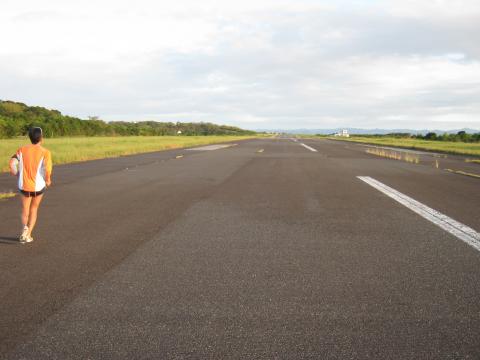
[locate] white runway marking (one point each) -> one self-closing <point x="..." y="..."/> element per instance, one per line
<point x="461" y="231"/>
<point x="308" y="147"/>
<point x="211" y="147"/>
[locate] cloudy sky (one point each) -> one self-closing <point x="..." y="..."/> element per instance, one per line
<point x="251" y="63"/>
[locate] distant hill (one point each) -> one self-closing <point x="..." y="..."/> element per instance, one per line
<point x="358" y="131"/>
<point x="16" y="118"/>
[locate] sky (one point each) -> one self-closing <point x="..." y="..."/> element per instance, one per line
<point x="257" y="64"/>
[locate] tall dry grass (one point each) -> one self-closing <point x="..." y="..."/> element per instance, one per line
<point x="441" y="146"/>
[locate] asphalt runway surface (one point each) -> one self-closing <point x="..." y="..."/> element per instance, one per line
<point x="264" y="250"/>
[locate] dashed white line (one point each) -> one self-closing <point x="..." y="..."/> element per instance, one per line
<point x="211" y="147"/>
<point x="308" y="147"/>
<point x="461" y="231"/>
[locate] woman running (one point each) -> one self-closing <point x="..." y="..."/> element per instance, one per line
<point x="33" y="166"/>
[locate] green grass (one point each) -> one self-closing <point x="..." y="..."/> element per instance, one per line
<point x="440" y="146"/>
<point x="75" y="149"/>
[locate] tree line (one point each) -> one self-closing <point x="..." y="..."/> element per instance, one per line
<point x="16" y="118"/>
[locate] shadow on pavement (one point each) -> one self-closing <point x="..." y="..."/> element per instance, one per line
<point x="9" y="240"/>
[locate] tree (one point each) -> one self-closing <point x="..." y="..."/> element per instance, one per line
<point x="17" y="118"/>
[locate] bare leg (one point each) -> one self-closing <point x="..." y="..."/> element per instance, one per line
<point x="26" y="201"/>
<point x="32" y="216"/>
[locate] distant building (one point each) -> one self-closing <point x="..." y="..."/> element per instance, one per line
<point x="343" y="133"/>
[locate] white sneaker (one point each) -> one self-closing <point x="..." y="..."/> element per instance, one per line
<point x="24" y="236"/>
<point x="29" y="239"/>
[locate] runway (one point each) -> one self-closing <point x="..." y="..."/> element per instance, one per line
<point x="264" y="249"/>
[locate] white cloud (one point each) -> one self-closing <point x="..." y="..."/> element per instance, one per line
<point x="267" y="63"/>
<point x="434" y="10"/>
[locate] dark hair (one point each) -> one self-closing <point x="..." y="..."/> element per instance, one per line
<point x="35" y="134"/>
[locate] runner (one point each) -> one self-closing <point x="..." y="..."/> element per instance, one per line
<point x="34" y="168"/>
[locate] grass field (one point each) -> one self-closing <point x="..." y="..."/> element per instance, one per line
<point x="68" y="150"/>
<point x="441" y="146"/>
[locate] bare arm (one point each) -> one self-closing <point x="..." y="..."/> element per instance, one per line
<point x="48" y="168"/>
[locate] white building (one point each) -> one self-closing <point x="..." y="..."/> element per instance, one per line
<point x="343" y="133"/>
